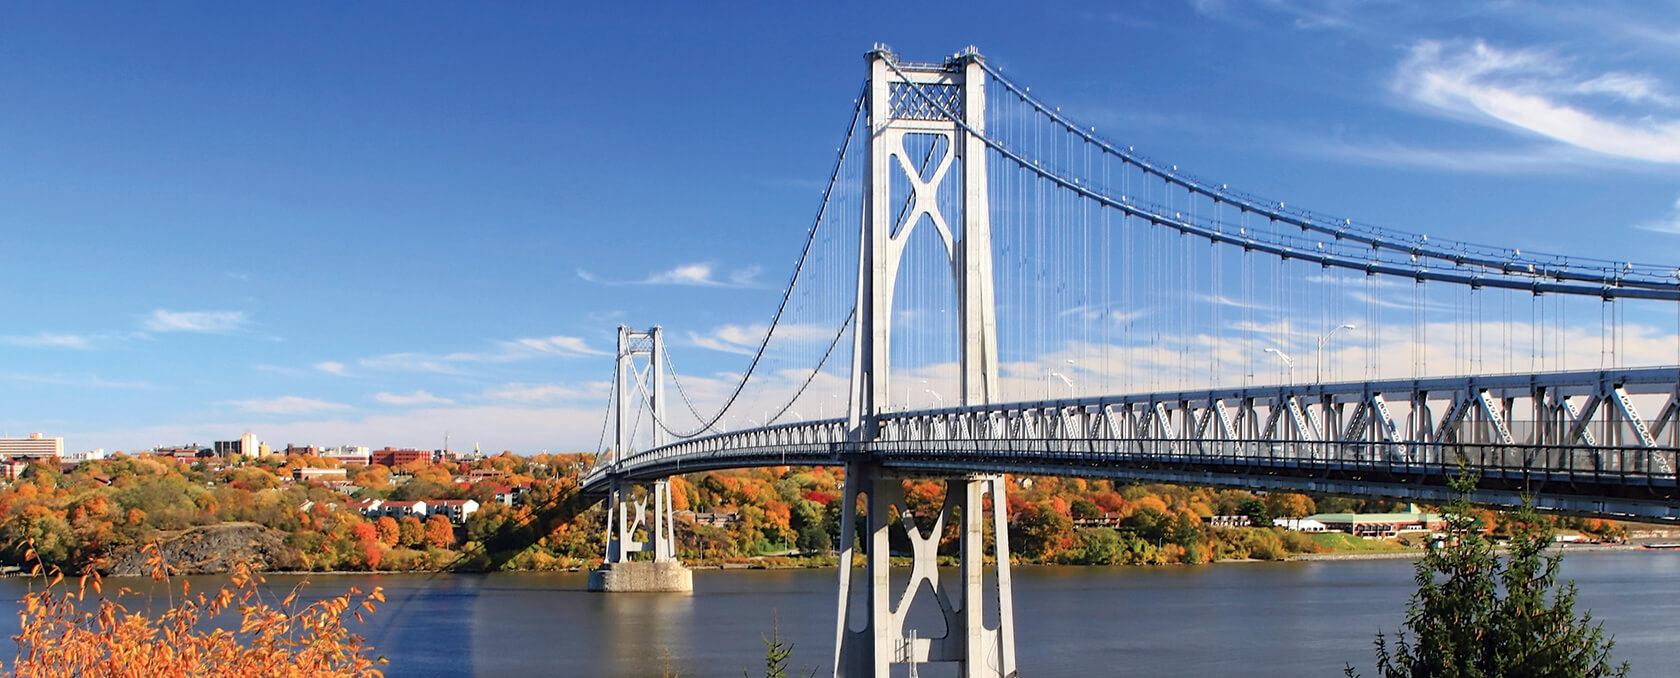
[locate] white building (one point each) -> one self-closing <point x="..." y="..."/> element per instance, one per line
<point x="456" y="510"/>
<point x="33" y="446"/>
<point x="90" y="455"/>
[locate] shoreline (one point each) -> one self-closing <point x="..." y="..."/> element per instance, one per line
<point x="1301" y="557"/>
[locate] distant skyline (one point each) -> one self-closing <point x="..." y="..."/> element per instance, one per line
<point x="375" y="225"/>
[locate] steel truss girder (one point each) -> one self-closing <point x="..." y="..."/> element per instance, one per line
<point x="1574" y="454"/>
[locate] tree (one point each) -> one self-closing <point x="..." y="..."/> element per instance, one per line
<point x="75" y="630"/>
<point x="1477" y="615"/>
<point x="1256" y="512"/>
<point x="388" y="530"/>
<point x="410" y="532"/>
<point x="439" y="533"/>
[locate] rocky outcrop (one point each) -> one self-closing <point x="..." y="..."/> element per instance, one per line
<point x="210" y="549"/>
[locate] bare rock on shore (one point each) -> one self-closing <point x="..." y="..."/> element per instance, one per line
<point x="210" y="549"/>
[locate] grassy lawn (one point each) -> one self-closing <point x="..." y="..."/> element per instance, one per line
<point x="1338" y="542"/>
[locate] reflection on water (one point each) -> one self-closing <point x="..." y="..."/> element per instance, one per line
<point x="1275" y="619"/>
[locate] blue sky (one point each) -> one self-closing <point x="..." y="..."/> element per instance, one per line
<point x="374" y="224"/>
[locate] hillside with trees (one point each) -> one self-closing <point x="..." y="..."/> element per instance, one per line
<point x="531" y="516"/>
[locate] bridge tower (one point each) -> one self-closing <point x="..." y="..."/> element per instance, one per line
<point x="907" y="99"/>
<point x="635" y="381"/>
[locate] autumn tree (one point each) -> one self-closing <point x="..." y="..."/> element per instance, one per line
<point x="388" y="530"/>
<point x="74" y="630"/>
<point x="410" y="532"/>
<point x="439" y="533"/>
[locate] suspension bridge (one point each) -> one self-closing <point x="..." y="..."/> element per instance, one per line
<point x="991" y="288"/>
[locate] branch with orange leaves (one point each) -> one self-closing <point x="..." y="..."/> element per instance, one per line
<point x="80" y="632"/>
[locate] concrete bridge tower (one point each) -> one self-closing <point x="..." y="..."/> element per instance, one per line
<point x="949" y="101"/>
<point x="632" y="525"/>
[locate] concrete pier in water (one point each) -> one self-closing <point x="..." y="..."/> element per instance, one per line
<point x="662" y="576"/>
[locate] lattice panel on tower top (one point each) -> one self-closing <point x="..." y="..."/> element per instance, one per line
<point x="908" y="105"/>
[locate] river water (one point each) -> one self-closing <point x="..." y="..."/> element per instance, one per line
<point x="1237" y="619"/>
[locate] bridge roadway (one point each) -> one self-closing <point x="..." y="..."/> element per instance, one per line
<point x="1583" y="448"/>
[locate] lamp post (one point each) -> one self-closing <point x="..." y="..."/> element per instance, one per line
<point x="935" y="395"/>
<point x="1318" y="360"/>
<point x="1290" y="362"/>
<point x="1052" y="373"/>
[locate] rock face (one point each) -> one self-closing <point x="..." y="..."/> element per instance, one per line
<point x="210" y="549"/>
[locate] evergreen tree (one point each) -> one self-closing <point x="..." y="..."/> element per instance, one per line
<point x="1475" y="615"/>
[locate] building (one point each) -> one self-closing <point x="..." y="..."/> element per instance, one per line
<point x="13" y="466"/>
<point x="349" y="455"/>
<point x="714" y="518"/>
<point x="393" y="457"/>
<point x="90" y="455"/>
<point x="185" y="454"/>
<point x="1300" y="525"/>
<point x="456" y="510"/>
<point x="33" y="446"/>
<point x="369" y="507"/>
<point x="246" y="446"/>
<point x="1380" y="525"/>
<point x="318" y="473"/>
<point x="398" y="509"/>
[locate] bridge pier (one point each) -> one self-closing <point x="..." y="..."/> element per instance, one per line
<point x="869" y="641"/>
<point x="625" y="516"/>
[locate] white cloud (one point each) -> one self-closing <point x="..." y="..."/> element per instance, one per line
<point x="1669" y="223"/>
<point x="532" y="393"/>
<point x="1537" y="92"/>
<point x="415" y="398"/>
<point x="287" y="405"/>
<point x="744" y="339"/>
<point x="49" y="340"/>
<point x="409" y="362"/>
<point x="502" y="352"/>
<point x="330" y="367"/>
<point x="694" y="275"/>
<point x="1544" y="160"/>
<point x="194" y="321"/>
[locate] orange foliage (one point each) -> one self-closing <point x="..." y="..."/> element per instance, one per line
<point x="78" y="632"/>
<point x="439" y="533"/>
<point x="388" y="530"/>
<point x="1150" y="501"/>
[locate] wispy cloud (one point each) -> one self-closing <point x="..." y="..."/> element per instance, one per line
<point x="1669" y="223"/>
<point x="532" y="393"/>
<point x="409" y="362"/>
<point x="288" y="405"/>
<point x="694" y="275"/>
<point x="1540" y="93"/>
<point x="501" y="352"/>
<point x="745" y="339"/>
<point x="1543" y="160"/>
<point x="79" y="380"/>
<point x="415" y="398"/>
<point x="194" y="321"/>
<point x="49" y="340"/>
<point x="330" y="367"/>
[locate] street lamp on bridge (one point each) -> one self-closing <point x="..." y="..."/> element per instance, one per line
<point x="1318" y="360"/>
<point x="1286" y="361"/>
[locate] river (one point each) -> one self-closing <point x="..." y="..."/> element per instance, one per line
<point x="1236" y="619"/>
